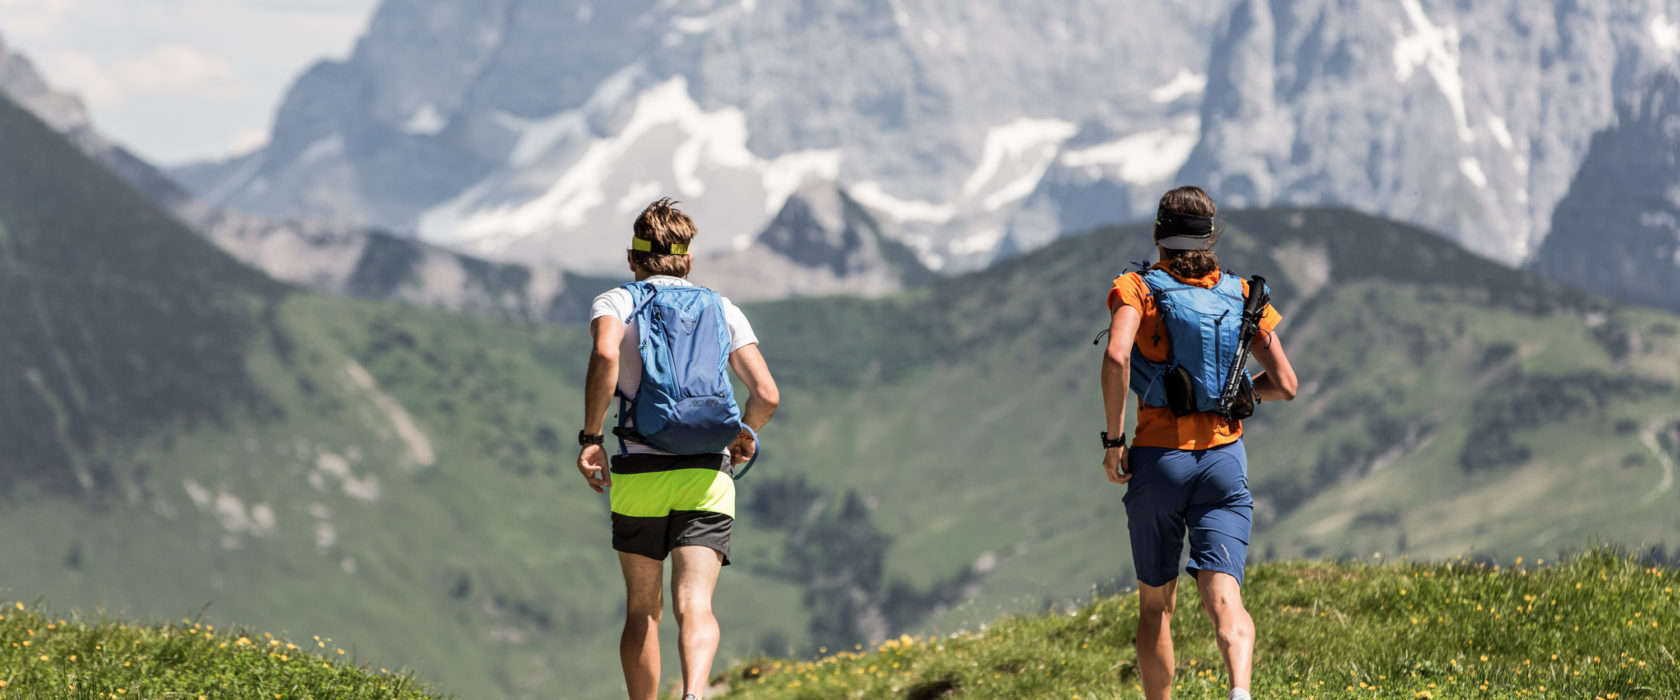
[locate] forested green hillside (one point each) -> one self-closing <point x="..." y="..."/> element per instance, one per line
<point x="185" y="433"/>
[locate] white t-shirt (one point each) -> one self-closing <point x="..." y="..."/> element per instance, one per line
<point x="618" y="303"/>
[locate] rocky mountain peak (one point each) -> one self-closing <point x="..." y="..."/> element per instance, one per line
<point x="1397" y="108"/>
<point x="1617" y="232"/>
<point x="814" y="229"/>
<point x="20" y="80"/>
<point x="821" y="242"/>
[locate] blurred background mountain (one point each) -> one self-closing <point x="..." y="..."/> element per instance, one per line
<point x="1467" y="233"/>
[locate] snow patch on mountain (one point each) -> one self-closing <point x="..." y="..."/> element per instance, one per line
<point x="638" y="195"/>
<point x="782" y="176"/>
<point x="1666" y="34"/>
<point x="537" y="137"/>
<point x="1022" y="139"/>
<point x="980" y="242"/>
<point x="870" y="194"/>
<point x="1473" y="172"/>
<point x="1501" y="132"/>
<point x="321" y="149"/>
<point x="669" y="145"/>
<point x="1185" y="84"/>
<point x="1143" y="158"/>
<point x="1435" y="49"/>
<point x="426" y="121"/>
<point x="707" y="22"/>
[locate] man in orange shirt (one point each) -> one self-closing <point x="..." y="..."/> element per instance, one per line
<point x="1186" y="470"/>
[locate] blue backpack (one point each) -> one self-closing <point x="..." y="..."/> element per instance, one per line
<point x="1204" y="327"/>
<point x="685" y="405"/>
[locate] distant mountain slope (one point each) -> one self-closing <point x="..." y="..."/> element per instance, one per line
<point x="1617" y="232"/>
<point x="115" y="325"/>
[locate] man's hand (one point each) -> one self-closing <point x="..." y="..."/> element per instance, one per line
<point x="1115" y="464"/>
<point x="743" y="448"/>
<point x="592" y="463"/>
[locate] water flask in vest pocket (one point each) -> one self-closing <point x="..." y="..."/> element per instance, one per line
<point x="1181" y="391"/>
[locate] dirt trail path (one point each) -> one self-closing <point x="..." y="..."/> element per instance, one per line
<point x="1649" y="437"/>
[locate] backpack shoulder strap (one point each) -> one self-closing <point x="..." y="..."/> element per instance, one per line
<point x="1230" y="285"/>
<point x="641" y="294"/>
<point x="1159" y="280"/>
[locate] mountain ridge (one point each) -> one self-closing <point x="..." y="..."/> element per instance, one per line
<point x="970" y="133"/>
<point x="1618" y="229"/>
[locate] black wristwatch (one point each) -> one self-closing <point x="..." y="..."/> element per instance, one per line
<point x="1116" y="442"/>
<point x="587" y="439"/>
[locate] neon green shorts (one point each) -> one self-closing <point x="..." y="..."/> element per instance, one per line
<point x="661" y="502"/>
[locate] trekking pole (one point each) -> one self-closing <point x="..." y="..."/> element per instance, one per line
<point x="1254" y="307"/>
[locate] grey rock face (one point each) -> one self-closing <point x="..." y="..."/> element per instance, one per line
<point x="1617" y="232"/>
<point x="821" y="242"/>
<point x="526" y="131"/>
<point x="1470" y="118"/>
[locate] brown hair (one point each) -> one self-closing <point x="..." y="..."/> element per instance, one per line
<point x="666" y="225"/>
<point x="1190" y="264"/>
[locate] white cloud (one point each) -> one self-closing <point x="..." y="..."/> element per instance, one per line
<point x="247" y="141"/>
<point x="180" y="79"/>
<point x="172" y="69"/>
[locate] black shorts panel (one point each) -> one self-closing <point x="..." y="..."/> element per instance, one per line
<point x="650" y="463"/>
<point x="654" y="538"/>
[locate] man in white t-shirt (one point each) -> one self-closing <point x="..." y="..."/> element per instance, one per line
<point x="682" y="506"/>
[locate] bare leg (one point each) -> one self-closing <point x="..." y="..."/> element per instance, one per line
<point x="638" y="647"/>
<point x="1154" y="638"/>
<point x="692" y="580"/>
<point x="1222" y="600"/>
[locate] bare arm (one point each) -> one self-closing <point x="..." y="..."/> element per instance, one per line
<point x="1116" y="376"/>
<point x="762" y="397"/>
<point x="607" y="332"/>
<point x="1278" y="382"/>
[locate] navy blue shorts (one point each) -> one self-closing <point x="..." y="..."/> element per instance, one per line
<point x="1204" y="492"/>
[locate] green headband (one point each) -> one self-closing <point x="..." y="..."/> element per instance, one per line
<point x="646" y="246"/>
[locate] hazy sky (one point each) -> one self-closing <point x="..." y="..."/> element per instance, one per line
<point x="179" y="80"/>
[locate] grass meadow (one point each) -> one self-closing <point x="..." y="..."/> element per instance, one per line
<point x="1598" y="626"/>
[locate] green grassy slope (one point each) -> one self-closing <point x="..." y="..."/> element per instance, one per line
<point x="1599" y="626"/>
<point x="46" y="657"/>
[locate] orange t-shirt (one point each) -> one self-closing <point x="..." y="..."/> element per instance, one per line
<point x="1156" y="425"/>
